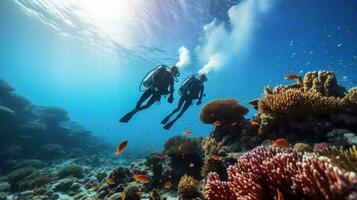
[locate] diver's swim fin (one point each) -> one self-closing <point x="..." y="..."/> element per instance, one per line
<point x="127" y="117"/>
<point x="164" y="121"/>
<point x="168" y="125"/>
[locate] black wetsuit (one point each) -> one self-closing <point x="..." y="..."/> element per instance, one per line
<point x="189" y="92"/>
<point x="162" y="84"/>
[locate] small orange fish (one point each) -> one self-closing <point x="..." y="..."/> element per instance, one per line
<point x="141" y="178"/>
<point x="110" y="181"/>
<point x="187" y="132"/>
<point x="280" y="195"/>
<point x="254" y="123"/>
<point x="160" y="155"/>
<point x="215" y="157"/>
<point x="168" y="185"/>
<point x="122" y="195"/>
<point x="280" y="142"/>
<point x="234" y="124"/>
<point x="121" y="147"/>
<point x="191" y="164"/>
<point x="194" y="181"/>
<point x="217" y="123"/>
<point x="320" y="146"/>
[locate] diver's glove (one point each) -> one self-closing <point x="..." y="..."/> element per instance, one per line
<point x="170" y="99"/>
<point x="198" y="102"/>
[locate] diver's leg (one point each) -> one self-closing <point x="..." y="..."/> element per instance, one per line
<point x="183" y="110"/>
<point x="130" y="114"/>
<point x="179" y="106"/>
<point x="143" y="97"/>
<point x="152" y="100"/>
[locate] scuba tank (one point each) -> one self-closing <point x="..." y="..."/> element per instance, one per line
<point x="186" y="84"/>
<point x="148" y="80"/>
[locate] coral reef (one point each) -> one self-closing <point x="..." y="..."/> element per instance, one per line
<point x="344" y="159"/>
<point x="223" y="110"/>
<point x="132" y="192"/>
<point x="306" y="111"/>
<point x="183" y="151"/>
<point x="260" y="173"/>
<point x="187" y="189"/>
<point x="71" y="171"/>
<point x="23" y="123"/>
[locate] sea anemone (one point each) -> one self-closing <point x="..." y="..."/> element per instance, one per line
<point x="344" y="159"/>
<point x="224" y="110"/>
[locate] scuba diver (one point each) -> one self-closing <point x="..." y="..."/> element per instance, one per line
<point x="192" y="88"/>
<point x="157" y="82"/>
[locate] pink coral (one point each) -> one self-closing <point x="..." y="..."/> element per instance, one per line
<point x="261" y="172"/>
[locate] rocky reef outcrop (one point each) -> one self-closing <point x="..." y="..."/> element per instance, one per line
<point x="45" y="133"/>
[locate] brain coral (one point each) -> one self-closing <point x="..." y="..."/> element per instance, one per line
<point x="224" y="110"/>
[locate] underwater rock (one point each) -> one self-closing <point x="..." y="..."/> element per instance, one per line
<point x="4" y="186"/>
<point x="63" y="185"/>
<point x="5" y="87"/>
<point x="76" y="153"/>
<point x="132" y="192"/>
<point x="29" y="163"/>
<point x="262" y="171"/>
<point x="15" y="177"/>
<point x="119" y="175"/>
<point x="11" y="152"/>
<point x="51" y="151"/>
<point x="71" y="171"/>
<point x="37" y="179"/>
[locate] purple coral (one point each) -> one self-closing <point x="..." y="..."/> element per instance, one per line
<point x="261" y="172"/>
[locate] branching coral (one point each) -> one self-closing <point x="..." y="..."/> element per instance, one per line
<point x="261" y="172"/>
<point x="350" y="100"/>
<point x="323" y="82"/>
<point x="297" y="103"/>
<point x="187" y="188"/>
<point x="224" y="110"/>
<point x="345" y="159"/>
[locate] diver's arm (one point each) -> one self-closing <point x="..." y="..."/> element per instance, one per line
<point x="171" y="88"/>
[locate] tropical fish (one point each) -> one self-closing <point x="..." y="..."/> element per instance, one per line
<point x="191" y="164"/>
<point x="121" y="147"/>
<point x="187" y="132"/>
<point x="122" y="195"/>
<point x="110" y="181"/>
<point x="168" y="185"/>
<point x="280" y="195"/>
<point x="217" y="123"/>
<point x="320" y="146"/>
<point x="160" y="155"/>
<point x="141" y="178"/>
<point x="194" y="181"/>
<point x="280" y="142"/>
<point x="215" y="157"/>
<point x="254" y="123"/>
<point x="234" y="124"/>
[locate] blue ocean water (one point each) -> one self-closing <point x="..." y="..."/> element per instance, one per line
<point x="88" y="57"/>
